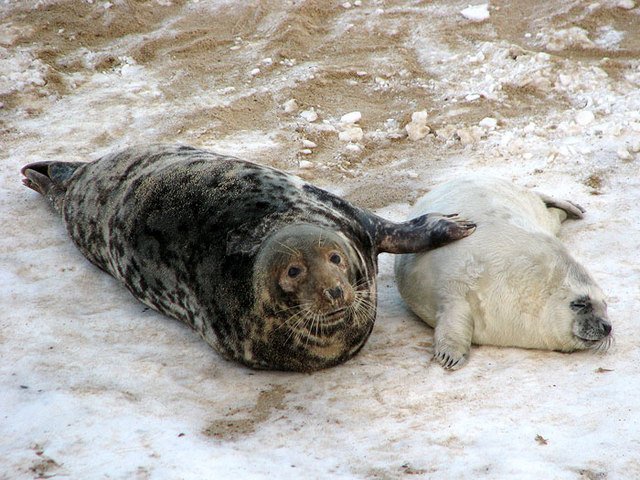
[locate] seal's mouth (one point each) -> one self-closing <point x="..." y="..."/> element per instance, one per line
<point x="599" y="345"/>
<point x="334" y="316"/>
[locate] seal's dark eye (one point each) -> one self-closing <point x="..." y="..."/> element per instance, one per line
<point x="335" y="258"/>
<point x="581" y="305"/>
<point x="294" y="271"/>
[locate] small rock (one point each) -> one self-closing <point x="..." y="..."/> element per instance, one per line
<point x="624" y="154"/>
<point x="391" y="124"/>
<point x="626" y="4"/>
<point x="353" y="147"/>
<point x="471" y="97"/>
<point x="488" y="122"/>
<point x="290" y="106"/>
<point x="585" y="117"/>
<point x="417" y="128"/>
<point x="352" y="117"/>
<point x="419" y="117"/>
<point x="305" y="164"/>
<point x="476" y="13"/>
<point x="306" y="151"/>
<point x="308" y="143"/>
<point x="417" y="131"/>
<point x="254" y="72"/>
<point x="351" y="134"/>
<point x="309" y="115"/>
<point x="470" y="135"/>
<point x="565" y="80"/>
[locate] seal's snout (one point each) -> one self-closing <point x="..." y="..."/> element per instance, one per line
<point x="335" y="293"/>
<point x="601" y="328"/>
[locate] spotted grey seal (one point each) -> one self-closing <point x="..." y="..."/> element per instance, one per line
<point x="271" y="271"/>
<point x="512" y="283"/>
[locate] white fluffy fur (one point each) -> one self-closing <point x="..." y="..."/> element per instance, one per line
<point x="509" y="284"/>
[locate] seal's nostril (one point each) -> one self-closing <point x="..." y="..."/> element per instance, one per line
<point x="334" y="293"/>
<point x="607" y="328"/>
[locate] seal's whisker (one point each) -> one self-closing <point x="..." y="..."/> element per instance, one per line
<point x="289" y="249"/>
<point x="360" y="283"/>
<point x="604" y="345"/>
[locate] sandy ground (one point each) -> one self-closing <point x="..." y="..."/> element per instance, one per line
<point x="93" y="385"/>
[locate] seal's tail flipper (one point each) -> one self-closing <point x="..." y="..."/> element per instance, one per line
<point x="49" y="178"/>
<point x="567" y="208"/>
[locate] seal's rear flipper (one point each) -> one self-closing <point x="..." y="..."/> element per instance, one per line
<point x="49" y="178"/>
<point x="570" y="209"/>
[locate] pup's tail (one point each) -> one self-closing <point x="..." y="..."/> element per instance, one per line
<point x="49" y="179"/>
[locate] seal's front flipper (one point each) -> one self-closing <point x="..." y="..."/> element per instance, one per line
<point x="424" y="233"/>
<point x="568" y="209"/>
<point x="49" y="179"/>
<point x="453" y="334"/>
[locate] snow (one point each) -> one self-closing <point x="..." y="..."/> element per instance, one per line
<point x="94" y="385"/>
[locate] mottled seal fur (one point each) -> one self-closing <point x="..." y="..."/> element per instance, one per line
<point x="271" y="271"/>
<point x="512" y="283"/>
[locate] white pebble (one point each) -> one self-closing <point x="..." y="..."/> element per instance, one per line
<point x="351" y="134"/>
<point x="309" y="115"/>
<point x="488" y="122"/>
<point x="346" y="5"/>
<point x="419" y="117"/>
<point x="476" y="13"/>
<point x="626" y="4"/>
<point x="353" y="147"/>
<point x="308" y="143"/>
<point x="624" y="154"/>
<point x="417" y="131"/>
<point x="469" y="135"/>
<point x="267" y="61"/>
<point x="305" y="164"/>
<point x="352" y="117"/>
<point x="471" y="97"/>
<point x="478" y="57"/>
<point x="254" y="72"/>
<point x="565" y="80"/>
<point x="290" y="105"/>
<point x="306" y="151"/>
<point x="391" y="124"/>
<point x="585" y="117"/>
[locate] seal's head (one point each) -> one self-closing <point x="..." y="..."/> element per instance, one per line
<point x="314" y="291"/>
<point x="579" y="306"/>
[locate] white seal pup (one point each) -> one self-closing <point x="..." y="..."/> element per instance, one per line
<point x="512" y="283"/>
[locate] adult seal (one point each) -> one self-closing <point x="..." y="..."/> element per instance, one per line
<point x="512" y="283"/>
<point x="271" y="271"/>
